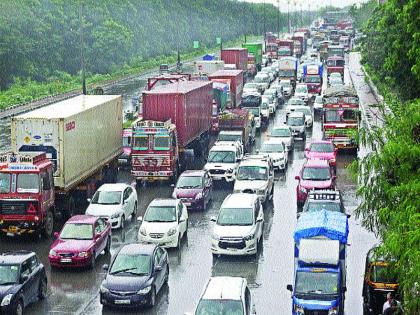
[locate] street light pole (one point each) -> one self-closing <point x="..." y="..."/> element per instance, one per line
<point x="288" y="16"/>
<point x="82" y="56"/>
<point x="278" y="18"/>
<point x="264" y="22"/>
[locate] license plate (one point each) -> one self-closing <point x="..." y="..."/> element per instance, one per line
<point x="122" y="302"/>
<point x="187" y="204"/>
<point x="65" y="260"/>
<point x="13" y="229"/>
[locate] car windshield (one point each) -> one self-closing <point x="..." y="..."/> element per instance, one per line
<point x="8" y="274"/>
<point x="322" y="147"/>
<point x="296" y="101"/>
<point x="295" y="121"/>
<point x="329" y="206"/>
<point x="382" y="274"/>
<point x="235" y="216"/>
<point x="318" y="99"/>
<point x="280" y="132"/>
<point x="221" y="157"/>
<point x="254" y="110"/>
<point x="316" y="282"/>
<point x="77" y="231"/>
<point x="285" y="84"/>
<point x="27" y="183"/>
<point x="188" y="182"/>
<point x="219" y="307"/>
<point x="272" y="148"/>
<point x="259" y="79"/>
<point x="305" y="110"/>
<point x="160" y="214"/>
<point x="133" y="264"/>
<point x="250" y="86"/>
<point x="316" y="173"/>
<point x="4" y="183"/>
<point x="252" y="173"/>
<point x="313" y="79"/>
<point x="106" y="197"/>
<point x="301" y="89"/>
<point x="229" y="137"/>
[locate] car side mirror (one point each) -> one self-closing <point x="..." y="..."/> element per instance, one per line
<point x="297" y="177"/>
<point x="259" y="219"/>
<point x="213" y="219"/>
<point x="23" y="278"/>
<point x="125" y="201"/>
<point x="334" y="177"/>
<point x="89" y="200"/>
<point x="173" y="185"/>
<point x="348" y="216"/>
<point x="140" y="219"/>
<point x="306" y="149"/>
<point x="289" y="287"/>
<point x="158" y="268"/>
<point x="56" y="235"/>
<point x="105" y="267"/>
<point x="335" y="150"/>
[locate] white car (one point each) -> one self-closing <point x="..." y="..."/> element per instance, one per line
<point x="318" y="103"/>
<point x="255" y="175"/>
<point x="250" y="87"/>
<point x="284" y="134"/>
<point x="239" y="226"/>
<point x="272" y="93"/>
<point x="276" y="150"/>
<point x="287" y="87"/>
<point x="308" y="115"/>
<point x="269" y="99"/>
<point x="222" y="162"/>
<point x="263" y="81"/>
<point x="115" y="203"/>
<point x="225" y="295"/>
<point x="292" y="103"/>
<point x="270" y="72"/>
<point x="302" y="92"/>
<point x="165" y="222"/>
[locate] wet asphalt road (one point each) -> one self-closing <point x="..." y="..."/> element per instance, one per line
<point x="77" y="292"/>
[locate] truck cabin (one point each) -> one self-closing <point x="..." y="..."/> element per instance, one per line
<point x="335" y="64"/>
<point x="271" y="49"/>
<point x="336" y="50"/>
<point x="284" y="51"/>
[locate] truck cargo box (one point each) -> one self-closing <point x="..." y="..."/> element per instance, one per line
<point x="255" y="49"/>
<point x="187" y="104"/>
<point x="237" y="56"/>
<point x="319" y="252"/>
<point x="208" y="66"/>
<point x="80" y="135"/>
<point x="237" y="83"/>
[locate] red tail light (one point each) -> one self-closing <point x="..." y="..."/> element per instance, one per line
<point x="31" y="209"/>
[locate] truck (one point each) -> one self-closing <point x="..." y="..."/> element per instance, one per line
<point x="221" y="100"/>
<point x="252" y="102"/>
<point x="270" y="37"/>
<point x="320" y="263"/>
<point x="271" y="50"/>
<point x="124" y="159"/>
<point x="340" y="116"/>
<point x="312" y="76"/>
<point x="207" y="67"/>
<point x="336" y="50"/>
<point x="176" y="117"/>
<point x="286" y="47"/>
<point x="236" y="56"/>
<point x="60" y="153"/>
<point x="257" y="50"/>
<point x="236" y="78"/>
<point x="288" y="69"/>
<point x="299" y="36"/>
<point x="335" y="64"/>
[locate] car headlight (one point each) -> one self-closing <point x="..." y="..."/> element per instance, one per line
<point x="299" y="310"/>
<point x="103" y="289"/>
<point x="332" y="311"/>
<point x="83" y="254"/>
<point x="199" y="196"/>
<point x="144" y="290"/>
<point x="6" y="300"/>
<point x="171" y="231"/>
<point x="142" y="231"/>
<point x="215" y="237"/>
<point x="332" y="160"/>
<point x="249" y="237"/>
<point x="53" y="253"/>
<point x="302" y="189"/>
<point x="115" y="216"/>
<point x="229" y="170"/>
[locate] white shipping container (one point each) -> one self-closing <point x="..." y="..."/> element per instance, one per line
<point x="315" y="251"/>
<point x="80" y="135"/>
<point x="207" y="67"/>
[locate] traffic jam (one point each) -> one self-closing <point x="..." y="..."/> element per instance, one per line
<point x="201" y="165"/>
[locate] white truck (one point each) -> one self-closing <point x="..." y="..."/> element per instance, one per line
<point x="207" y="67"/>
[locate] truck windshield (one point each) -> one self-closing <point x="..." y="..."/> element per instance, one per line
<point x="229" y="137"/>
<point x="27" y="183"/>
<point x="161" y="143"/>
<point x="221" y="157"/>
<point x="4" y="183"/>
<point x="8" y="274"/>
<point x="287" y="73"/>
<point x="316" y="282"/>
<point x="313" y="79"/>
<point x="235" y="216"/>
<point x="316" y="173"/>
<point x="219" y="307"/>
<point x="329" y="206"/>
<point x="252" y="173"/>
<point x="140" y="143"/>
<point x="383" y="274"/>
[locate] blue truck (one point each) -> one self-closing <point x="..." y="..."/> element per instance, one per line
<point x="320" y="263"/>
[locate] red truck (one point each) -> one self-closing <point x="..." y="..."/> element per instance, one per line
<point x="236" y="78"/>
<point x="286" y="47"/>
<point x="335" y="64"/>
<point x="176" y="117"/>
<point x="236" y="56"/>
<point x="302" y="39"/>
<point x="271" y="50"/>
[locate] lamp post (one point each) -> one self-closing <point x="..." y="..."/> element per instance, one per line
<point x="278" y="18"/>
<point x="82" y="55"/>
<point x="288" y="16"/>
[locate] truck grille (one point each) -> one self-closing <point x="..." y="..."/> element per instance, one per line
<point x="11" y="207"/>
<point x="156" y="235"/>
<point x="234" y="242"/>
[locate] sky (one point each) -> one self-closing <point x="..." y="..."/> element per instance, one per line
<point x="308" y="4"/>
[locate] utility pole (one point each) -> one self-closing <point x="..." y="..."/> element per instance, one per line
<point x="278" y="18"/>
<point x="288" y="16"/>
<point x="264" y="22"/>
<point x="82" y="55"/>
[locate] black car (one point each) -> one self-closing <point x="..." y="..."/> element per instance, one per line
<point x="22" y="281"/>
<point x="323" y="200"/>
<point x="135" y="276"/>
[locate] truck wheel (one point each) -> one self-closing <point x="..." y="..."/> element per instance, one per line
<point x="49" y="224"/>
<point x="174" y="176"/>
<point x="69" y="208"/>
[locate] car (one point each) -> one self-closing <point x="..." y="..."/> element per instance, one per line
<point x="306" y="110"/>
<point x="292" y="103"/>
<point x="251" y="87"/>
<point x="299" y="73"/>
<point x="273" y="93"/>
<point x="239" y="225"/>
<point x="283" y="133"/>
<point x="265" y="112"/>
<point x="231" y="137"/>
<point x="301" y="91"/>
<point x="135" y="276"/>
<point x="315" y="174"/>
<point x="317" y="200"/>
<point x="280" y="94"/>
<point x="318" y="104"/>
<point x="271" y="101"/>
<point x="263" y="81"/>
<point x="276" y="150"/>
<point x="322" y="150"/>
<point x="287" y="87"/>
<point x="165" y="223"/>
<point x="270" y="72"/>
<point x="223" y="161"/>
<point x="225" y="295"/>
<point x="256" y="175"/>
<point x="80" y="242"/>
<point x="22" y="281"/>
<point x="194" y="188"/>
<point x="296" y="122"/>
<point x="115" y="203"/>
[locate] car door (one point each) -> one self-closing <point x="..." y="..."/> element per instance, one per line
<point x="36" y="272"/>
<point x="182" y="218"/>
<point x="100" y="236"/>
<point x="29" y="290"/>
<point x="126" y="202"/>
<point x="158" y="274"/>
<point x="206" y="188"/>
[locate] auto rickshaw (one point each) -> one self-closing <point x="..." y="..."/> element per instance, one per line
<point x="378" y="281"/>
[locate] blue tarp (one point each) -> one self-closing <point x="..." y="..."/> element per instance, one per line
<point x="209" y="57"/>
<point x="333" y="225"/>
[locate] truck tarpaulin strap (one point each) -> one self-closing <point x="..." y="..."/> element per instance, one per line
<point x="333" y="225"/>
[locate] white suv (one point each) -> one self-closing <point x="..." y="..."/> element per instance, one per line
<point x="225" y="295"/>
<point x="255" y="175"/>
<point x="239" y="226"/>
<point x="302" y="92"/>
<point x="223" y="161"/>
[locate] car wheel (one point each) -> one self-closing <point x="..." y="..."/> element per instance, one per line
<point x="256" y="249"/>
<point x="122" y="224"/>
<point x="134" y="213"/>
<point x="167" y="275"/>
<point x="108" y="245"/>
<point x="18" y="308"/>
<point x="186" y="228"/>
<point x="178" y="245"/>
<point x="152" y="298"/>
<point x="43" y="288"/>
<point x="92" y="261"/>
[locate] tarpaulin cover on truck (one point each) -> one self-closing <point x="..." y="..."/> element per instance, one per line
<point x="333" y="225"/>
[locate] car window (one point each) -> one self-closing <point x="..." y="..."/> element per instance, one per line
<point x="26" y="269"/>
<point x="256" y="211"/>
<point x="98" y="227"/>
<point x="247" y="301"/>
<point x="179" y="211"/>
<point x="158" y="256"/>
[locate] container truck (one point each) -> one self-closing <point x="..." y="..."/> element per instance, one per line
<point x="252" y="102"/>
<point x="207" y="67"/>
<point x="301" y="37"/>
<point x="221" y="101"/>
<point x="236" y="78"/>
<point x="286" y="47"/>
<point x="257" y="50"/>
<point x="236" y="56"/>
<point x="271" y="50"/>
<point x="60" y="153"/>
<point x="124" y="159"/>
<point x="288" y="69"/>
<point x="176" y="117"/>
<point x="335" y="64"/>
<point x="312" y="76"/>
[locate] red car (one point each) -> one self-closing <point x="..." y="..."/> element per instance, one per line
<point x="80" y="242"/>
<point x="315" y="174"/>
<point x="322" y="150"/>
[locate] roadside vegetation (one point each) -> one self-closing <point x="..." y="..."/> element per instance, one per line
<point x="389" y="176"/>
